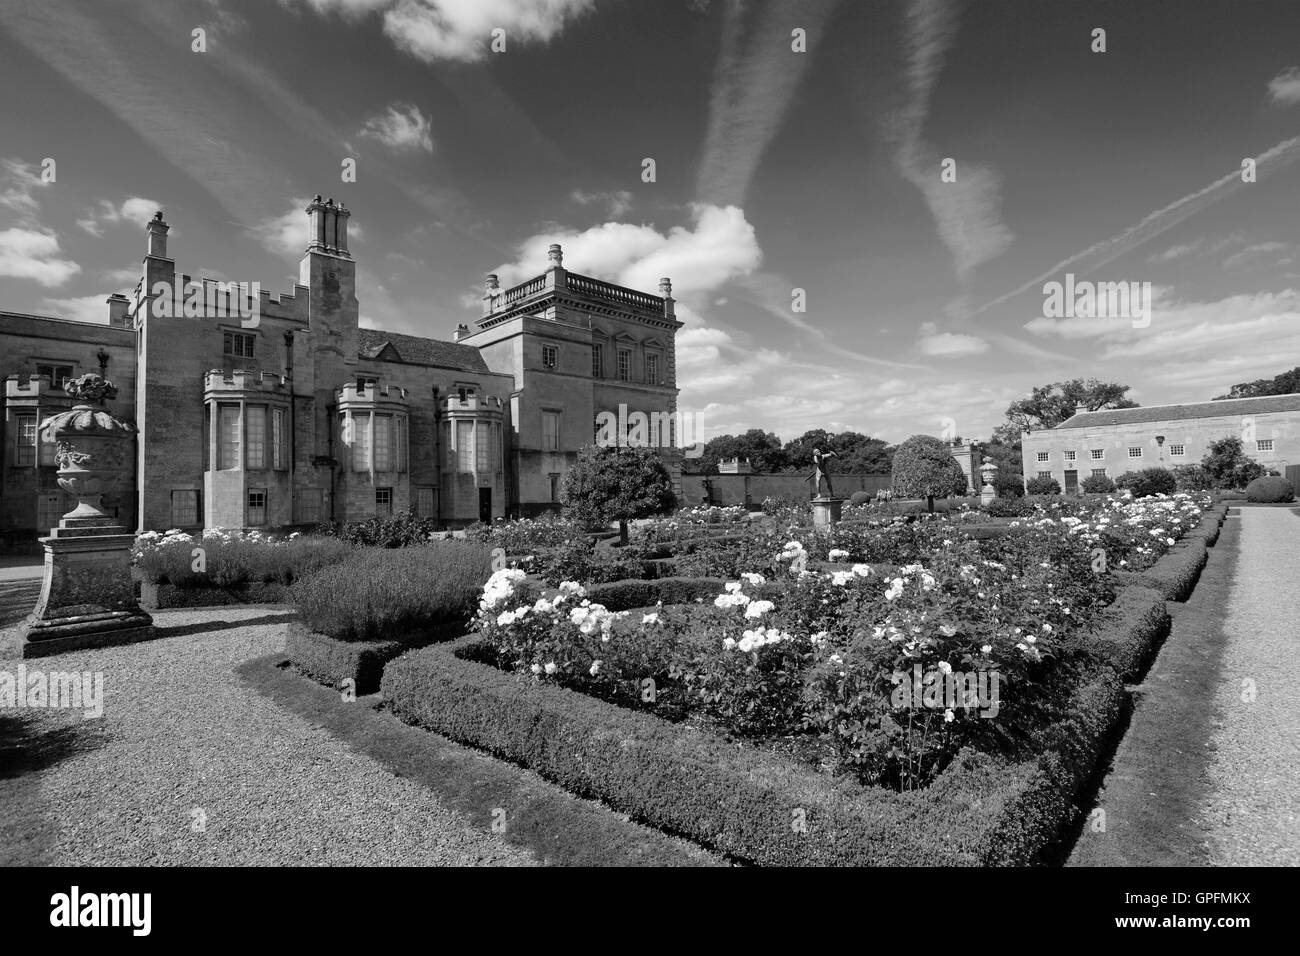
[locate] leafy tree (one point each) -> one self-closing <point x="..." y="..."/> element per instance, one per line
<point x="1284" y="384"/>
<point x="857" y="453"/>
<point x="617" y="484"/>
<point x="924" y="468"/>
<point x="1228" y="466"/>
<point x="1009" y="479"/>
<point x="763" y="449"/>
<point x="1148" y="482"/>
<point x="1049" y="405"/>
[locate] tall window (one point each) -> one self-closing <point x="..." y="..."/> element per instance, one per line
<point x="277" y="439"/>
<point x="256" y="436"/>
<point x="26" y="440"/>
<point x="597" y="361"/>
<point x="238" y="344"/>
<point x="652" y="369"/>
<point x="49" y="448"/>
<point x="424" y="502"/>
<point x="550" y="357"/>
<point x="57" y="374"/>
<point x="383" y="443"/>
<point x="555" y="486"/>
<point x="399" y="443"/>
<point x="465" y="446"/>
<point x="185" y="508"/>
<point x="383" y="501"/>
<point x="550" y="431"/>
<point x="483" y="445"/>
<point x="361" y="442"/>
<point x="256" y="507"/>
<point x="624" y="365"/>
<point x="228" y="437"/>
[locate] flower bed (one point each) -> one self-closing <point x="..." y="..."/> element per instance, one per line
<point x="357" y="615"/>
<point x="781" y="693"/>
<point x="221" y="559"/>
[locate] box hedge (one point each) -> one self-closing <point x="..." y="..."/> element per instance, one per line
<point x="157" y="596"/>
<point x="330" y="661"/>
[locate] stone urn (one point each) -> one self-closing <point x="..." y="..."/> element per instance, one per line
<point x="987" y="471"/>
<point x="94" y="449"/>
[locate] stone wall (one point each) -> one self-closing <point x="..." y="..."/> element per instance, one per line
<point x="750" y="490"/>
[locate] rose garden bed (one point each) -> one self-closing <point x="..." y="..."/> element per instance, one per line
<point x="726" y="791"/>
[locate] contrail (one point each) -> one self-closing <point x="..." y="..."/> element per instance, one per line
<point x="1101" y="253"/>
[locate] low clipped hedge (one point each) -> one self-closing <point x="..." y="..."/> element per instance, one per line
<point x="330" y="661"/>
<point x="155" y="596"/>
<point x="981" y="811"/>
<point x="622" y="595"/>
<point x="1128" y="633"/>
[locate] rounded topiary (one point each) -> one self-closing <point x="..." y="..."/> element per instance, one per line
<point x="1042" y="486"/>
<point x="861" y="498"/>
<point x="1148" y="482"/>
<point x="1270" y="489"/>
<point x="1098" y="485"/>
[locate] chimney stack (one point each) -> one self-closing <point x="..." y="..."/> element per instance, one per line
<point x="157" y="230"/>
<point x="328" y="231"/>
<point x="462" y="330"/>
<point x="118" y="306"/>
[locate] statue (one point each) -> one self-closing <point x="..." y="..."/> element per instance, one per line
<point x="821" y="474"/>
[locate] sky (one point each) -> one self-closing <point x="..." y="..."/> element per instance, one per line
<point x="861" y="204"/>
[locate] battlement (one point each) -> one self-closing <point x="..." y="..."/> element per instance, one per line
<point x="472" y="403"/>
<point x="243" y="380"/>
<point x="34" y="386"/>
<point x="351" y="394"/>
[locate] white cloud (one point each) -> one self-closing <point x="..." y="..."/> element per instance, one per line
<point x="18" y="182"/>
<point x="718" y="245"/>
<point x="461" y="29"/>
<point x="86" y="308"/>
<point x="401" y="127"/>
<point x="1285" y="87"/>
<point x="1257" y="253"/>
<point x="615" y="203"/>
<point x="34" y="254"/>
<point x="129" y="274"/>
<point x="136" y="211"/>
<point x="951" y="344"/>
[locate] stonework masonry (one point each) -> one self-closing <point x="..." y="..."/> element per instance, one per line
<point x="302" y="416"/>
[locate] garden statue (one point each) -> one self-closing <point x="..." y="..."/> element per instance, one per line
<point x="821" y="474"/>
<point x="826" y="507"/>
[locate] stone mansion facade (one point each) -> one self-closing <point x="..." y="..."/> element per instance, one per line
<point x="299" y="415"/>
<point x="1113" y="441"/>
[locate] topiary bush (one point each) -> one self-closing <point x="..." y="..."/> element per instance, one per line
<point x="861" y="498"/>
<point x="1270" y="489"/>
<point x="1043" y="486"/>
<point x="1098" y="485"/>
<point x="1148" y="482"/>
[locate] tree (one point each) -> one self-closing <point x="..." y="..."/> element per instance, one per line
<point x="1009" y="479"/>
<point x="1049" y="405"/>
<point x="763" y="449"/>
<point x="1284" y="384"/>
<point x="1228" y="466"/>
<point x="856" y="453"/>
<point x="617" y="484"/>
<point x="924" y="468"/>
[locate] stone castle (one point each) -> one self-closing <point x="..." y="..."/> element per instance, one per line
<point x="298" y="415"/>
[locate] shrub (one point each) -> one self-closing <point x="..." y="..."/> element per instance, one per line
<point x="923" y="467"/>
<point x="1098" y="485"/>
<point x="1229" y="466"/>
<point x="616" y="484"/>
<point x="1009" y="508"/>
<point x="1191" y="478"/>
<point x="861" y="498"/>
<point x="382" y="595"/>
<point x="232" y="558"/>
<point x="1148" y="482"/>
<point x="1042" y="486"/>
<point x="1270" y="489"/>
<point x="1008" y="484"/>
<point x="398" y="531"/>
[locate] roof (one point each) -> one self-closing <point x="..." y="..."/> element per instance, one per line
<point x="1177" y="413"/>
<point x="395" y="347"/>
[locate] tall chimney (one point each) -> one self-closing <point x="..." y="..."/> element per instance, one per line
<point x="462" y="330"/>
<point x="118" y="306"/>
<point x="341" y="214"/>
<point x="157" y="230"/>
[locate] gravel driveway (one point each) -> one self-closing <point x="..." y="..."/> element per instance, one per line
<point x="1252" y="810"/>
<point x="187" y="766"/>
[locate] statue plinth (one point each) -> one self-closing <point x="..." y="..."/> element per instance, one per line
<point x="826" y="511"/>
<point x="87" y="596"/>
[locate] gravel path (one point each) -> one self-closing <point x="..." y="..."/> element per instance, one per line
<point x="182" y="742"/>
<point x="1251" y="812"/>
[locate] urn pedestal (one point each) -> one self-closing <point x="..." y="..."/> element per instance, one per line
<point x="987" y="471"/>
<point x="826" y="511"/>
<point x="87" y="597"/>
